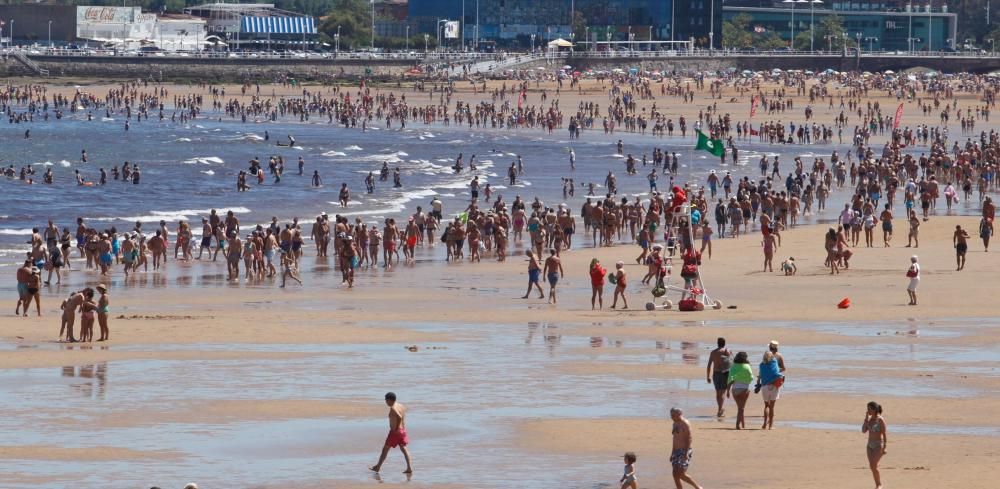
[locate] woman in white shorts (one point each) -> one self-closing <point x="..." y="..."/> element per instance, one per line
<point x="913" y="273"/>
<point x="771" y="381"/>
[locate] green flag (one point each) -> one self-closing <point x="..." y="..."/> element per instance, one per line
<point x="713" y="146"/>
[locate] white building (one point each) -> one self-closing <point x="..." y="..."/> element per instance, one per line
<point x="129" y="28"/>
<point x="181" y="33"/>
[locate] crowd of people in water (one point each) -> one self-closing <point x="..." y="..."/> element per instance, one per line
<point x="874" y="173"/>
<point x="881" y="165"/>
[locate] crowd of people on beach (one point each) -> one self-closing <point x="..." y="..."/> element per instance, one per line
<point x="675" y="222"/>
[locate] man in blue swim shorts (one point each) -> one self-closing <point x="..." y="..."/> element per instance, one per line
<point x="553" y="271"/>
<point x="534" y="273"/>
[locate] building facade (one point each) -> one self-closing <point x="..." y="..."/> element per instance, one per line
<point x="896" y="29"/>
<point x="38" y="23"/>
<point x="256" y="26"/>
<point x="510" y="22"/>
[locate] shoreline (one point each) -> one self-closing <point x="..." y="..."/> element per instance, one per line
<point x="246" y="384"/>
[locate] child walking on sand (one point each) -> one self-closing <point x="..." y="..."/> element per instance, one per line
<point x="288" y="269"/>
<point x="628" y="478"/>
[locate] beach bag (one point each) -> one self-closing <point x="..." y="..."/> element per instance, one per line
<point x="613" y="278"/>
<point x="689" y="271"/>
<point x="780" y="381"/>
<point x="690" y="305"/>
<point x="726" y="363"/>
<point x="444" y="237"/>
<point x="911" y="273"/>
<point x="659" y="290"/>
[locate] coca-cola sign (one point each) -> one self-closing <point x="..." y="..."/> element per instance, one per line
<point x="104" y="15"/>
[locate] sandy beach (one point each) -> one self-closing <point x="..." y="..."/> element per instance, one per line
<point x="838" y="359"/>
<point x="248" y="385"/>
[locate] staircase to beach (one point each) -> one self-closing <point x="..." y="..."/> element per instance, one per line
<point x="28" y="62"/>
<point x="491" y="66"/>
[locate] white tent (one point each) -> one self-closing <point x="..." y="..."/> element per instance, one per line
<point x="560" y="43"/>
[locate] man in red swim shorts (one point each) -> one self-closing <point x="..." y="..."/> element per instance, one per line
<point x="397" y="433"/>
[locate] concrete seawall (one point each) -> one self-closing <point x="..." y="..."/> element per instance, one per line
<point x="209" y="69"/>
<point x="241" y="69"/>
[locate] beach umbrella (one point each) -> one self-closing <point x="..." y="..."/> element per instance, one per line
<point x="889" y="72"/>
<point x="567" y="67"/>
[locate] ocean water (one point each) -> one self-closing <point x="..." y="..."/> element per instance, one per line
<point x="189" y="169"/>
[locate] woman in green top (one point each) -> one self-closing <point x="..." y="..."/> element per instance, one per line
<point x="740" y="380"/>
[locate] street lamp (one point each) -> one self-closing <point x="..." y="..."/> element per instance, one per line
<point x="870" y="41"/>
<point x="337" y="41"/>
<point x="990" y="40"/>
<point x="407" y="37"/>
<point x="791" y="43"/>
<point x="930" y="38"/>
<point x="532" y="43"/>
<point x="829" y="41"/>
<point x="711" y="25"/>
<point x="438" y="31"/>
<point x="629" y="38"/>
<point x="586" y="33"/>
<point x="426" y="38"/>
<point x="812" y="30"/>
<point x="373" y="26"/>
<point x="50" y="34"/>
<point x="909" y="31"/>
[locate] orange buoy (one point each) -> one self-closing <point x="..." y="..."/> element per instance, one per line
<point x="844" y="303"/>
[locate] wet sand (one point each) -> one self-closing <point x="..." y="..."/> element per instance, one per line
<point x="240" y="386"/>
<point x="301" y="371"/>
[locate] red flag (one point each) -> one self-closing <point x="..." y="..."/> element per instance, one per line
<point x="753" y="106"/>
<point x="899" y="117"/>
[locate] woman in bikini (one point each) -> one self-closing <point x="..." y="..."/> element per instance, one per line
<point x="87" y="314"/>
<point x="103" y="309"/>
<point x="874" y="425"/>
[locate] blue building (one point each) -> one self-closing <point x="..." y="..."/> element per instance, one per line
<point x="514" y="21"/>
<point x="894" y="29"/>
